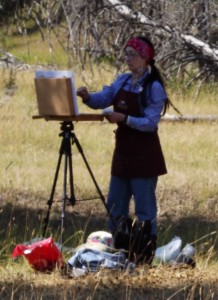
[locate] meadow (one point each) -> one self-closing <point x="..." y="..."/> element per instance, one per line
<point x="187" y="195"/>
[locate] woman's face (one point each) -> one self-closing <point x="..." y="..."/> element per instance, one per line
<point x="134" y="61"/>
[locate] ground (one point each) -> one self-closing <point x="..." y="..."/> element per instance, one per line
<point x="19" y="281"/>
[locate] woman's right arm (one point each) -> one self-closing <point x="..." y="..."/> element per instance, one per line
<point x="103" y="98"/>
<point x="83" y="93"/>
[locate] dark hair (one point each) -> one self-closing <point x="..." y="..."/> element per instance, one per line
<point x="155" y="73"/>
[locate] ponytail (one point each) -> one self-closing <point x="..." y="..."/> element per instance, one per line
<point x="155" y="73"/>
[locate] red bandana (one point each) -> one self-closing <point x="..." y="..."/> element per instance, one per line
<point x="142" y="48"/>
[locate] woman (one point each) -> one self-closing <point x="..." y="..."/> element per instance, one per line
<point x="139" y="99"/>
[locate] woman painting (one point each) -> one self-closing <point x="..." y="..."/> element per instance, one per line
<point x="139" y="99"/>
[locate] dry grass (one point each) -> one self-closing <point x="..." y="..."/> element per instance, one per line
<point x="157" y="283"/>
<point x="187" y="198"/>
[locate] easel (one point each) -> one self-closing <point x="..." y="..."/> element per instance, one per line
<point x="68" y="139"/>
<point x="50" y="111"/>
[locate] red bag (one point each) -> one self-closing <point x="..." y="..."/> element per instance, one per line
<point x="42" y="255"/>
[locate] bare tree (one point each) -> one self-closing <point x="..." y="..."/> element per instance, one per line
<point x="183" y="37"/>
<point x="184" y="32"/>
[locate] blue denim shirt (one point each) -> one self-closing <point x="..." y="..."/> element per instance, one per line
<point x="155" y="98"/>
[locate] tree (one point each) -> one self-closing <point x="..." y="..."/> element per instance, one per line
<point x="99" y="29"/>
<point x="184" y="32"/>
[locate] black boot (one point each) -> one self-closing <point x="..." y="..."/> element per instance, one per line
<point x="135" y="238"/>
<point x="144" y="244"/>
<point x="122" y="233"/>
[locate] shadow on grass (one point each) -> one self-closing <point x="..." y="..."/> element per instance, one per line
<point x="19" y="224"/>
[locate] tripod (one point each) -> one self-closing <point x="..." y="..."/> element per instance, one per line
<point x="68" y="138"/>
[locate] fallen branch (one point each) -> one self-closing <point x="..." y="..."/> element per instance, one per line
<point x="190" y="118"/>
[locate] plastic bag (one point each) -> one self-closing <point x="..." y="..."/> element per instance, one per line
<point x="42" y="255"/>
<point x="169" y="251"/>
<point x="186" y="256"/>
<point x="188" y="250"/>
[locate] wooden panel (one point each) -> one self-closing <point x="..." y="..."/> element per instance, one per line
<point x="54" y="96"/>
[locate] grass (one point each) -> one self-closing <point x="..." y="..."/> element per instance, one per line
<point x="187" y="195"/>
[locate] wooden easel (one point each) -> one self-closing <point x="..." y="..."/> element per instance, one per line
<point x="55" y="103"/>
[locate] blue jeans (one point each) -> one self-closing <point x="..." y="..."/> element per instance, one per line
<point x="143" y="191"/>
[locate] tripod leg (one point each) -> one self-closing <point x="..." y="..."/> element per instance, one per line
<point x="67" y="162"/>
<point x="90" y="172"/>
<point x="64" y="198"/>
<point x="50" y="201"/>
<point x="72" y="198"/>
<point x="68" y="151"/>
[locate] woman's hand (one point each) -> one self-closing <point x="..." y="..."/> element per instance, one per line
<point x="83" y="93"/>
<point x="115" y="117"/>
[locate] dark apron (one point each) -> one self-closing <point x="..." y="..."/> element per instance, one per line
<point x="137" y="154"/>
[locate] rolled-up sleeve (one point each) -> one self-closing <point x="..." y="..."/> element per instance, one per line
<point x="105" y="97"/>
<point x="101" y="99"/>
